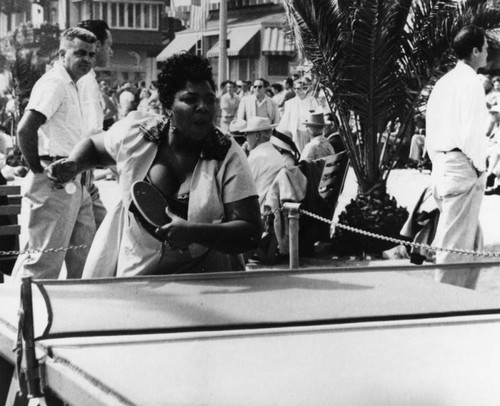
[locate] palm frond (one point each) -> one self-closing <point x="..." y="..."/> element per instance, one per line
<point x="375" y="57"/>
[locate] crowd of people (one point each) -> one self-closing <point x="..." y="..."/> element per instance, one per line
<point x="211" y="153"/>
<point x="219" y="157"/>
<point x="492" y="89"/>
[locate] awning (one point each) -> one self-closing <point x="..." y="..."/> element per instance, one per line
<point x="275" y="42"/>
<point x="238" y="37"/>
<point x="181" y="42"/>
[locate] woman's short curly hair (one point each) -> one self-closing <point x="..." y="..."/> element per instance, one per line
<point x="177" y="71"/>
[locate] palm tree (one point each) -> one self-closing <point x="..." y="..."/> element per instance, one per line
<point x="374" y="58"/>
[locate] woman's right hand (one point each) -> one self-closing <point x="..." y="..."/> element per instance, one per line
<point x="175" y="234"/>
<point x="62" y="171"/>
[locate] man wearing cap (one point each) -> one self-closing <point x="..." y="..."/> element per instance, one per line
<point x="319" y="146"/>
<point x="264" y="160"/>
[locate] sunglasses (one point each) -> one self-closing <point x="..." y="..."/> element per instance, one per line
<point x="300" y="88"/>
<point x="258" y="87"/>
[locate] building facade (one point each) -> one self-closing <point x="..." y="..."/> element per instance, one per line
<point x="137" y="27"/>
<point x="145" y="32"/>
<point x="257" y="41"/>
<point x="137" y="36"/>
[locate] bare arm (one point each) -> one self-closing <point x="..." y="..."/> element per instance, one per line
<point x="240" y="233"/>
<point x="27" y="132"/>
<point x="87" y="154"/>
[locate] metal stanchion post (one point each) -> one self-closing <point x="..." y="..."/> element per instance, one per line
<point x="292" y="209"/>
<point x="32" y="368"/>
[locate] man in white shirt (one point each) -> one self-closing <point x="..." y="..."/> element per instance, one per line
<point x="52" y="124"/>
<point x="93" y="104"/>
<point x="265" y="161"/>
<point x="319" y="146"/>
<point x="229" y="103"/>
<point x="457" y="121"/>
<point x="243" y="87"/>
<point x="296" y="112"/>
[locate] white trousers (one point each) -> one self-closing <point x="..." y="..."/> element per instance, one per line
<point x="459" y="193"/>
<point x="53" y="218"/>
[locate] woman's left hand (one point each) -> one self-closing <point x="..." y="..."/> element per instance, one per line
<point x="174" y="234"/>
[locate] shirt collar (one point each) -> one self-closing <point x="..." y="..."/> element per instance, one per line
<point x="216" y="144"/>
<point x="463" y="66"/>
<point x="61" y="70"/>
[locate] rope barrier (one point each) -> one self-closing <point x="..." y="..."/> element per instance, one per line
<point x="315" y="216"/>
<point x="36" y="251"/>
<point x="399" y="241"/>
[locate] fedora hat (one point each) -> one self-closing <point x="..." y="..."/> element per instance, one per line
<point x="257" y="123"/>
<point x="316" y="119"/>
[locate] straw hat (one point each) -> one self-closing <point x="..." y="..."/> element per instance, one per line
<point x="236" y="126"/>
<point x="257" y="123"/>
<point x="316" y="119"/>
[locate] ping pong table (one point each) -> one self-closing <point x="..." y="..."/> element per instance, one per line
<point x="361" y="336"/>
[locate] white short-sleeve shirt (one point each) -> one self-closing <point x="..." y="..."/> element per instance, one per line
<point x="55" y="95"/>
<point x="92" y="103"/>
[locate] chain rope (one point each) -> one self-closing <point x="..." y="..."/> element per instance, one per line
<point x="399" y="241"/>
<point x="36" y="251"/>
<point x="310" y="214"/>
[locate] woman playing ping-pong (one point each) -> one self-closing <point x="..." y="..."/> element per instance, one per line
<point x="199" y="173"/>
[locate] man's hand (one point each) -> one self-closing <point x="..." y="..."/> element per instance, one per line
<point x="62" y="171"/>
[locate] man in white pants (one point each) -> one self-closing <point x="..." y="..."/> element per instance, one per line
<point x="457" y="121"/>
<point x="52" y="124"/>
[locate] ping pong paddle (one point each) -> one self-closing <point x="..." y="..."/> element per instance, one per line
<point x="150" y="203"/>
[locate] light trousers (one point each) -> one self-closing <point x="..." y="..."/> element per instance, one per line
<point x="459" y="192"/>
<point x="53" y="218"/>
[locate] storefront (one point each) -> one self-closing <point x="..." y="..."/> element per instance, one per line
<point x="256" y="47"/>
